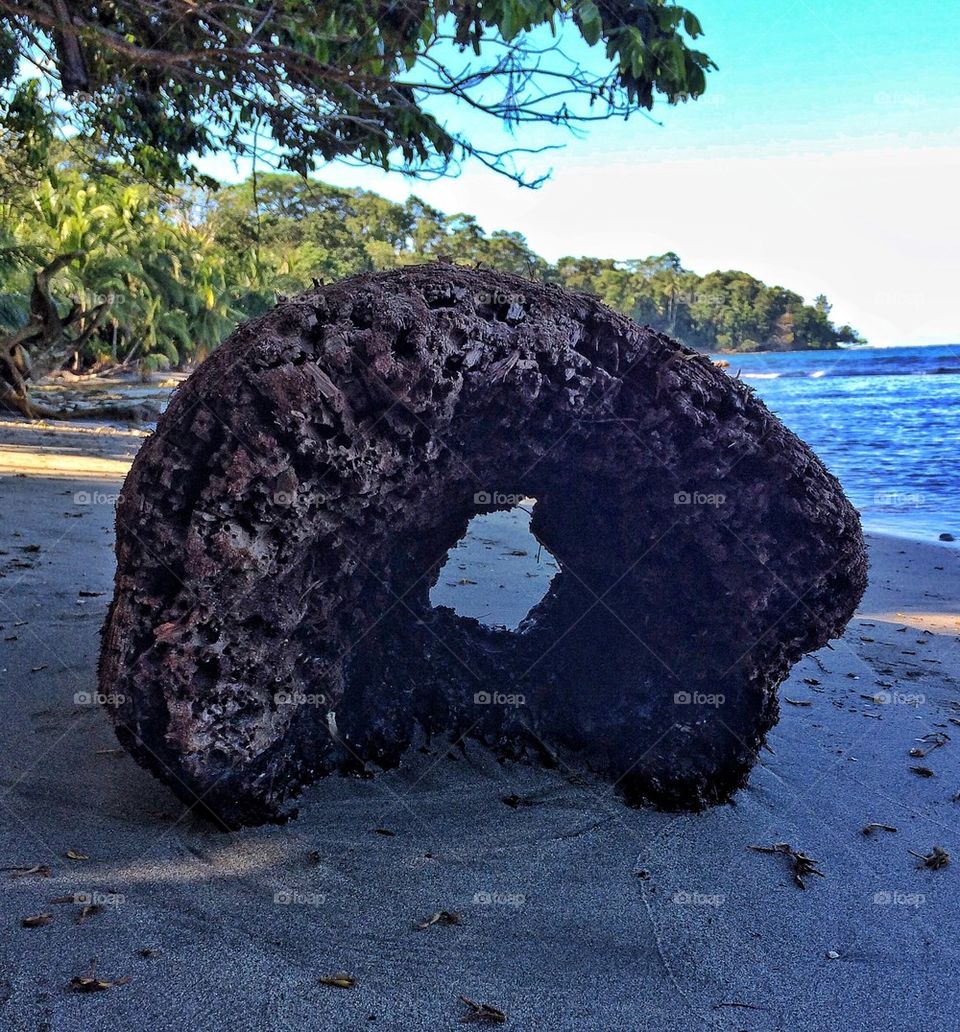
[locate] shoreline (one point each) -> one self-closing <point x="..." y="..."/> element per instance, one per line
<point x="914" y="535"/>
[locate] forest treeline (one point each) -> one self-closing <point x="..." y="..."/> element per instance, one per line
<point x="170" y="272"/>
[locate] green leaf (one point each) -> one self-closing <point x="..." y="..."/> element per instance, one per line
<point x="509" y="25"/>
<point x="591" y="24"/>
<point x="691" y="24"/>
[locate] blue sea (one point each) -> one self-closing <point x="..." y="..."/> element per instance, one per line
<point x="885" y="421"/>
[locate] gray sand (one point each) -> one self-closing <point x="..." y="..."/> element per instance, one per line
<point x="577" y="913"/>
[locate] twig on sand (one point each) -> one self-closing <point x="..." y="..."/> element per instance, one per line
<point x="40" y="870"/>
<point x="937" y="857"/>
<point x="922" y="772"/>
<point x="931" y="742"/>
<point x="90" y="983"/>
<point x="869" y="829"/>
<point x="481" y="1012"/>
<point x="802" y="865"/>
<point x="440" y="917"/>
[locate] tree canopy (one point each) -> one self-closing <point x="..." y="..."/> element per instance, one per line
<point x="159" y="82"/>
<point x="161" y="277"/>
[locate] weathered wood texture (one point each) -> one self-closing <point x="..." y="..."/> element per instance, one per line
<point x="278" y="536"/>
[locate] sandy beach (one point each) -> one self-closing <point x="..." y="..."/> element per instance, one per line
<point x="574" y="911"/>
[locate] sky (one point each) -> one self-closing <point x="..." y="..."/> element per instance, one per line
<point x="824" y="157"/>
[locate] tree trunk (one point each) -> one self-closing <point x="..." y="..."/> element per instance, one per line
<point x="47" y="330"/>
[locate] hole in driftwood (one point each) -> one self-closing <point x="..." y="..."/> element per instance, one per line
<point x="498" y="571"/>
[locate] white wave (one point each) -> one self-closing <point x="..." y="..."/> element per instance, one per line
<point x="817" y="373"/>
<point x="760" y="376"/>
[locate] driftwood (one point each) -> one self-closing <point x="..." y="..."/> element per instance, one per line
<point x="279" y="534"/>
<point x="55" y="335"/>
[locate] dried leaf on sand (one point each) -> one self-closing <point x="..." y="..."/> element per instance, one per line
<point x="89" y="910"/>
<point x="91" y="983"/>
<point x="937" y="857"/>
<point x="802" y="865"/>
<point x="935" y="740"/>
<point x="515" y="801"/>
<point x="36" y="920"/>
<point x="339" y="981"/>
<point x="440" y="917"/>
<point x="484" y="1013"/>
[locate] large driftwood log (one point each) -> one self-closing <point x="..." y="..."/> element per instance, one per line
<point x="278" y="536"/>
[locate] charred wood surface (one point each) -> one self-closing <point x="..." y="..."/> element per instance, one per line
<point x="278" y="536"/>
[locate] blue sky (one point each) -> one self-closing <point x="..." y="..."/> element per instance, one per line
<point x="825" y="156"/>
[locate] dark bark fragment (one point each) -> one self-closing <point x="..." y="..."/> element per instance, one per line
<point x="278" y="536"/>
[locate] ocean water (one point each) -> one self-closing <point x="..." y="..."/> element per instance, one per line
<point x="885" y="421"/>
